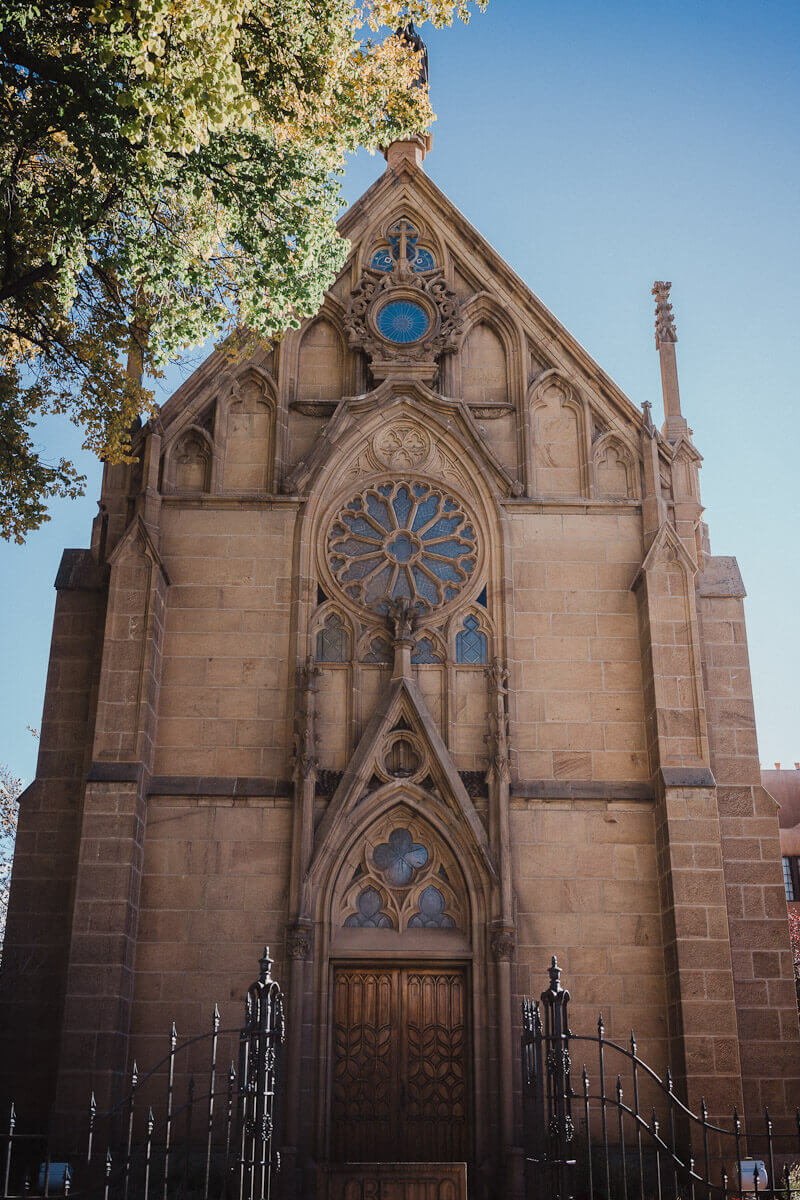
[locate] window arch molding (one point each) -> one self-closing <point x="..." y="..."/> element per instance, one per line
<point x="574" y="400"/>
<point x="611" y="442"/>
<point x="266" y="398"/>
<point x="331" y="618"/>
<point x="399" y="853"/>
<point x="173" y="452"/>
<point x="484" y="309"/>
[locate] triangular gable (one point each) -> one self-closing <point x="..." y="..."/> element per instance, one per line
<point x="410" y="184"/>
<point x="401" y="702"/>
<point x="138" y="530"/>
<point x="666" y="537"/>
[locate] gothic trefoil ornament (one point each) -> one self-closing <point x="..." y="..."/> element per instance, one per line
<point x="665" y="322"/>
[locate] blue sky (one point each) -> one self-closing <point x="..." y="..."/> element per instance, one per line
<point x="599" y="147"/>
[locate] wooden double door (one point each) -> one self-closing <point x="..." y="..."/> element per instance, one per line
<point x="400" y="1080"/>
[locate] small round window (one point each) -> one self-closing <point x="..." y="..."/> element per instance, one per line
<point x="402" y="321"/>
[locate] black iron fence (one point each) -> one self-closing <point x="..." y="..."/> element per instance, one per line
<point x="622" y="1133"/>
<point x="187" y="1128"/>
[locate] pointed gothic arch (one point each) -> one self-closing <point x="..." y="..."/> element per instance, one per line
<point x="246" y="425"/>
<point x="559" y="430"/>
<point x="615" y="467"/>
<point x="189" y="461"/>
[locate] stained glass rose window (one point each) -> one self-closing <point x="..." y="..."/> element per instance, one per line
<point x="402" y="540"/>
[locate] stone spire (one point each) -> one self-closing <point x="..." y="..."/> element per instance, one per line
<point x="414" y="148"/>
<point x="666" y="337"/>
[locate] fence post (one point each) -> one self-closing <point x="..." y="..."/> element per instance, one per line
<point x="261" y="1037"/>
<point x="560" y="1129"/>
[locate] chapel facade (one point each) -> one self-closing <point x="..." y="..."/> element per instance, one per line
<point x="401" y="647"/>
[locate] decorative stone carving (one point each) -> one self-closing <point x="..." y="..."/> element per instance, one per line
<point x="665" y="322"/>
<point x="497" y="675"/>
<point x="434" y="321"/>
<point x="402" y="447"/>
<point x="402" y="539"/>
<point x="405" y="879"/>
<point x="298" y="941"/>
<point x="402" y="617"/>
<point x="305" y="759"/>
<point x="503" y="943"/>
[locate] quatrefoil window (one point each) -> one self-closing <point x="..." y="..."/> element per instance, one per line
<point x="402" y="540"/>
<point x="400" y="856"/>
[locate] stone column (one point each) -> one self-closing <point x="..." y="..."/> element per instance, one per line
<point x="99" y="990"/>
<point x="36" y="946"/>
<point x="702" y="1027"/>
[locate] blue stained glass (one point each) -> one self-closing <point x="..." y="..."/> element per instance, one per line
<point x="471" y="644"/>
<point x="402" y="587"/>
<point x="359" y="525"/>
<point x="391" y="543"/>
<point x="382" y="260"/>
<point x="360" y="568"/>
<point x="444" y="570"/>
<point x="377" y="509"/>
<point x="369" y="916"/>
<point x="423" y="260"/>
<point x="444" y="527"/>
<point x="357" y="549"/>
<point x="401" y="548"/>
<point x="425" y="512"/>
<point x="402" y="321"/>
<point x="425" y="586"/>
<point x="402" y="505"/>
<point x="424" y="652"/>
<point x="333" y="641"/>
<point x="378" y="651"/>
<point x="400" y="856"/>
<point x="451" y="547"/>
<point x="431" y="913"/>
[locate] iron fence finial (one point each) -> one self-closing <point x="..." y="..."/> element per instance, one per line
<point x="265" y="963"/>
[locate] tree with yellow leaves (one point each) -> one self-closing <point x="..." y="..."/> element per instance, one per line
<point x="169" y="172"/>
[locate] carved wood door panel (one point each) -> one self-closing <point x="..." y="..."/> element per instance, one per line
<point x="400" y="1091"/>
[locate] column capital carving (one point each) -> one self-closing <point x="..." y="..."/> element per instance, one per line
<point x="503" y="943"/>
<point x="298" y="940"/>
<point x="305" y="740"/>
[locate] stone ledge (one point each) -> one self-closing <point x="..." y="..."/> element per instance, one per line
<point x="79" y="572"/>
<point x="720" y="577"/>
<point x="580" y="789"/>
<point x="688" y="777"/>
<point x="216" y="785"/>
<point x="115" y="772"/>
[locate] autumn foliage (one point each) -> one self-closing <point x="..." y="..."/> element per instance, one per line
<point x="169" y="172"/>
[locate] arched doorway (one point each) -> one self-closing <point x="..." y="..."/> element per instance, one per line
<point x="406" y="993"/>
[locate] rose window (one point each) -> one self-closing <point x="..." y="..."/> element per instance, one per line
<point x="402" y="540"/>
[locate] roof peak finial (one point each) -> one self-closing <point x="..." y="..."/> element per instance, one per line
<point x="414" y="147"/>
<point x="674" y="422"/>
<point x="665" y="321"/>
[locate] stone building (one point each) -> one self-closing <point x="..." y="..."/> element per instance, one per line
<point x="402" y="648"/>
<point x="783" y="784"/>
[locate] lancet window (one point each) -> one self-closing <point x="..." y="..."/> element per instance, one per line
<point x="472" y="645"/>
<point x="333" y="640"/>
